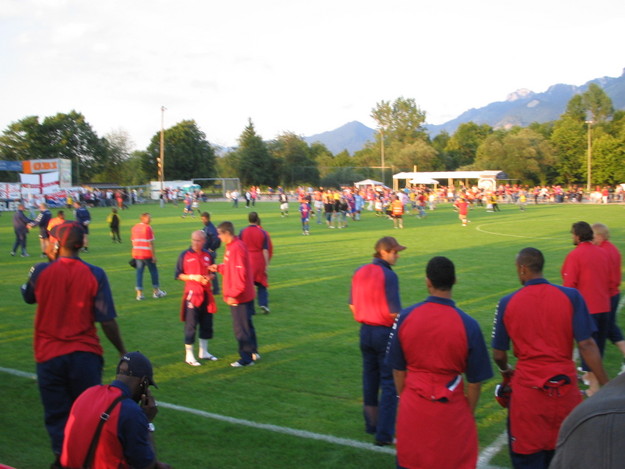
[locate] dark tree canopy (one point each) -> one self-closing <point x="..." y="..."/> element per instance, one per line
<point x="188" y="154"/>
<point x="254" y="163"/>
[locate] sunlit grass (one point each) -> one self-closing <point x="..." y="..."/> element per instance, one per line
<point x="309" y="376"/>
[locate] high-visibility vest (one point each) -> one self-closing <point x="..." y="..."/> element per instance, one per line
<point x="142" y="237"/>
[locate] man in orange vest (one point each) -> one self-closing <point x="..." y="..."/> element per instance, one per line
<point x="397" y="212"/>
<point x="144" y="253"/>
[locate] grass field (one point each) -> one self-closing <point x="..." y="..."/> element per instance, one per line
<point x="309" y="376"/>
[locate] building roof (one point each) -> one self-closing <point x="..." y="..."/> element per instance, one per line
<point x="493" y="174"/>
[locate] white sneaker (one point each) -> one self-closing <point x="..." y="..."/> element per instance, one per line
<point x="256" y="356"/>
<point x="159" y="294"/>
<point x="240" y="365"/>
<point x="208" y="357"/>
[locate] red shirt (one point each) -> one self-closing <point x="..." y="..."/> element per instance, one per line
<point x="615" y="266"/>
<point x="196" y="263"/>
<point x="237" y="282"/>
<point x="71" y="296"/>
<point x="257" y="240"/>
<point x="587" y="268"/>
<point x="374" y="295"/>
<point x="435" y="343"/>
<point x="124" y="440"/>
<point x="78" y="432"/>
<point x="542" y="320"/>
<point x="463" y="207"/>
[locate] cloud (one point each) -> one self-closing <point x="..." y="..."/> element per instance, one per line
<point x="291" y="65"/>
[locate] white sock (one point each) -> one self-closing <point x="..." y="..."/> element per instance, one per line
<point x="189" y="349"/>
<point x="203" y="352"/>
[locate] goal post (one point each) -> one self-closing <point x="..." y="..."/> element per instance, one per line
<point x="218" y="187"/>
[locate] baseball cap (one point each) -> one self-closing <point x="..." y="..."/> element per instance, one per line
<point x="388" y="243"/>
<point x="138" y="366"/>
<point x="69" y="234"/>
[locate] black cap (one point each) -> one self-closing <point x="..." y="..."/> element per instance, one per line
<point x="138" y="366"/>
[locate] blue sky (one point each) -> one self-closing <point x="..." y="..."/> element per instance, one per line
<point x="290" y="65"/>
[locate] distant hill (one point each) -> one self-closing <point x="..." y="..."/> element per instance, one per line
<point x="522" y="107"/>
<point x="351" y="137"/>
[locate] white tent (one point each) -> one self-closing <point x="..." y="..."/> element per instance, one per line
<point x="369" y="182"/>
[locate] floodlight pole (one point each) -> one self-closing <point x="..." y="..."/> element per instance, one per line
<point x="589" y="155"/>
<point x="382" y="154"/>
<point x="161" y="162"/>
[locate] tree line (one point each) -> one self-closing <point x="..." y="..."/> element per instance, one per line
<point x="541" y="153"/>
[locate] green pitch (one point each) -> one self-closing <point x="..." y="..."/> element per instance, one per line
<point x="309" y="376"/>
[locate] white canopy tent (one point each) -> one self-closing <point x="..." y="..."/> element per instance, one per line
<point x="369" y="182"/>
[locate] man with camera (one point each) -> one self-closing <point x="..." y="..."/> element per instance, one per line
<point x="111" y="425"/>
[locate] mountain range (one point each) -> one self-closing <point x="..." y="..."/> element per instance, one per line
<point x="521" y="108"/>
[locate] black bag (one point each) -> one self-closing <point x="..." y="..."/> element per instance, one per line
<point x="133" y="263"/>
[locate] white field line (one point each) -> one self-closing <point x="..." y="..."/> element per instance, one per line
<point x="482" y="230"/>
<point x="483" y="460"/>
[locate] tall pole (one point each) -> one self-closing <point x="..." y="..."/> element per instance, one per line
<point x="589" y="162"/>
<point x="161" y="162"/>
<point x="382" y="153"/>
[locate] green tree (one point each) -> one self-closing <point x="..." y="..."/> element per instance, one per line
<point x="22" y="140"/>
<point x="576" y="109"/>
<point x="367" y="161"/>
<point x="401" y="125"/>
<point x="70" y="136"/>
<point x="132" y="168"/>
<point x="586" y="112"/>
<point x="341" y="176"/>
<point x="521" y="153"/>
<point x="439" y="143"/>
<point x="326" y="161"/>
<point x="463" y="144"/>
<point x="119" y="147"/>
<point x="420" y="154"/>
<point x="297" y="166"/>
<point x="227" y="165"/>
<point x="402" y="121"/>
<point x="608" y="159"/>
<point x="597" y="103"/>
<point x="569" y="143"/>
<point x="254" y="163"/>
<point x="188" y="154"/>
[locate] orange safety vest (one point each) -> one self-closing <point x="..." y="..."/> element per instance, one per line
<point x="397" y="207"/>
<point x="142" y="237"/>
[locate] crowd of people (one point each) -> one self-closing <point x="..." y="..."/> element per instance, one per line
<point x="415" y="359"/>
